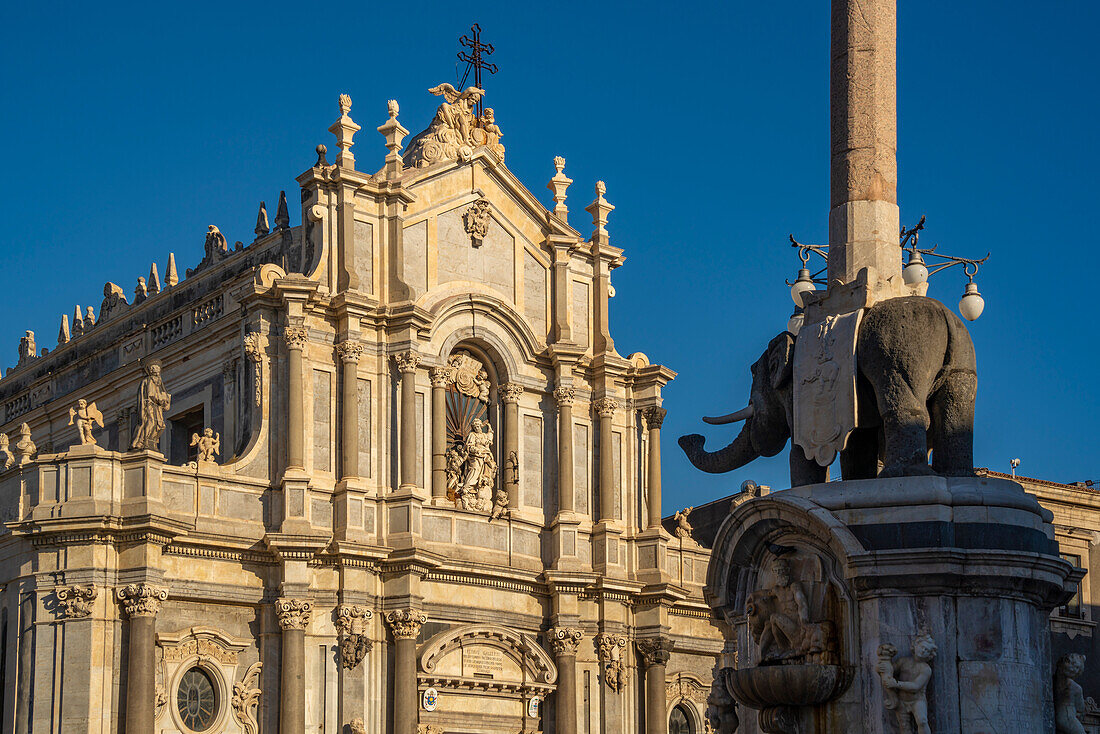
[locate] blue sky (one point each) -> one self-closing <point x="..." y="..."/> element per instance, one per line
<point x="128" y="128"/>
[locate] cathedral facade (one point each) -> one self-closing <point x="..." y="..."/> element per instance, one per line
<point x="383" y="471"/>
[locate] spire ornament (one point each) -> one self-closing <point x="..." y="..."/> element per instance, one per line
<point x="262" y="227"/>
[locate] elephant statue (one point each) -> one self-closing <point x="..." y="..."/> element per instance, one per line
<point x="916" y="382"/>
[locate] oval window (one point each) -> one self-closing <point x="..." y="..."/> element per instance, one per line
<point x="197" y="700"/>
<point x="678" y="722"/>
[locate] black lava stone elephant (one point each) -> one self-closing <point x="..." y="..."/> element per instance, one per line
<point x="915" y="389"/>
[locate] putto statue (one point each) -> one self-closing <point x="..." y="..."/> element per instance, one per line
<point x="84" y="416"/>
<point x="153" y="400"/>
<point x="1069" y="700"/>
<point x="209" y="444"/>
<point x="455" y="130"/>
<point x="904" y="683"/>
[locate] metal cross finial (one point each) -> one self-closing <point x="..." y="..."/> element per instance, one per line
<point x="475" y="59"/>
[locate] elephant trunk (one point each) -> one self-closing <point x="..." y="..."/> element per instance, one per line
<point x="741" y="415"/>
<point x="739" y="452"/>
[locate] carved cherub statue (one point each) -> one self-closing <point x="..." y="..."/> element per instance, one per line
<point x="85" y="415"/>
<point x="500" y="504"/>
<point x="209" y="444"/>
<point x="357" y="726"/>
<point x="1069" y="701"/>
<point x="904" y="683"/>
<point x="683" y="527"/>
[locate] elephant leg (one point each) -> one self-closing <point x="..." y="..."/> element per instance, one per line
<point x="953" y="416"/>
<point x="905" y="422"/>
<point x="804" y="470"/>
<point x="860" y="459"/>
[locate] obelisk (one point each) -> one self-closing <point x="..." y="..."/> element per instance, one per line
<point x="863" y="216"/>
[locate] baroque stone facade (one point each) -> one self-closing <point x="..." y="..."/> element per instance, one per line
<point x="384" y="469"/>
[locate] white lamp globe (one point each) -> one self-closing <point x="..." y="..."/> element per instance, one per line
<point x="803" y="285"/>
<point x="794" y="323"/>
<point x="972" y="303"/>
<point x="915" y="271"/>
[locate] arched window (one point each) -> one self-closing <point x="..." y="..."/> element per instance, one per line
<point x="678" y="722"/>
<point x="197" y="700"/>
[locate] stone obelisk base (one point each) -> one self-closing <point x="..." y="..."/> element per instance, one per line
<point x="882" y="566"/>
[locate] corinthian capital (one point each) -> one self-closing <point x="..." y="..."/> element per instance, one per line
<point x="406" y="623"/>
<point x="565" y="640"/>
<point x="76" y="601"/>
<point x="349" y="351"/>
<point x="564" y="395"/>
<point x="293" y="614"/>
<point x="439" y="376"/>
<point x="142" y="599"/>
<point x="296" y="337"/>
<point x="654" y="650"/>
<point x="510" y="392"/>
<point x="654" y="416"/>
<point x="407" y="362"/>
<point x="605" y="407"/>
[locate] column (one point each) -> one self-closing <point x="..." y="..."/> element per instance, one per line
<point x="510" y="394"/>
<point x="654" y="418"/>
<point x="229" y="408"/>
<point x="293" y="617"/>
<point x="296" y="337"/>
<point x="654" y="653"/>
<point x="349" y="353"/>
<point x="141" y="602"/>
<point x="405" y="625"/>
<point x="565" y="641"/>
<point x="407" y="363"/>
<point x="863" y="216"/>
<point x="439" y="377"/>
<point x="609" y="480"/>
<point x="564" y="396"/>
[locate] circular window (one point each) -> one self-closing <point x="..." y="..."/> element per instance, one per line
<point x="678" y="722"/>
<point x="196" y="700"/>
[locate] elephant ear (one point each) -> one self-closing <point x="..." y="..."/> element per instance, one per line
<point x="781" y="359"/>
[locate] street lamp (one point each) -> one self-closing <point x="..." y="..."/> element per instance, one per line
<point x="972" y="304"/>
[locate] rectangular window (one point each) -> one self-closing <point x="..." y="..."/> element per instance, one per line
<point x="1072" y="608"/>
<point x="181" y="428"/>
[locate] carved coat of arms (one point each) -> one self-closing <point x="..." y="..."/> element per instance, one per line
<point x="825" y="386"/>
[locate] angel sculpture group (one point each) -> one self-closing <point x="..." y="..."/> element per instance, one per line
<point x="455" y="130"/>
<point x="472" y="469"/>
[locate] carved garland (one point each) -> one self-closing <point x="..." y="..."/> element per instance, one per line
<point x="610" y="648"/>
<point x="351" y="621"/>
<point x="253" y="351"/>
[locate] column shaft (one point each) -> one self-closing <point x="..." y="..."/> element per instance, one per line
<point x="292" y="685"/>
<point x="405" y="696"/>
<point x="567" y="694"/>
<point x="407" y="363"/>
<point x="141" y="666"/>
<point x="295" y="452"/>
<point x="609" y="482"/>
<point x="565" y="452"/>
<point x="654" y="417"/>
<point x="655" y="721"/>
<point x="439" y="433"/>
<point x="510" y="394"/>
<point x="349" y="445"/>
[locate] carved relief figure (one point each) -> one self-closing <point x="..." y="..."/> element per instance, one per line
<point x="779" y="619"/>
<point x="153" y="400"/>
<point x="1069" y="700"/>
<point x="84" y="415"/>
<point x="209" y="444"/>
<point x="904" y="683"/>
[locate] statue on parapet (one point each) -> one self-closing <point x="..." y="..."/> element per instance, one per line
<point x="209" y="444"/>
<point x="153" y="400"/>
<point x="85" y="415"/>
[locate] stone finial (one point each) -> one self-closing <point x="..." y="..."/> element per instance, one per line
<point x="559" y="184"/>
<point x="654" y="650"/>
<point x="27" y="348"/>
<point x="78" y="322"/>
<point x="76" y="601"/>
<point x="171" y="277"/>
<point x="600" y="209"/>
<point x="25" y="448"/>
<point x="63" y="335"/>
<point x="565" y="640"/>
<point x="282" y="214"/>
<point x="209" y="444"/>
<point x="89" y="318"/>
<point x="293" y="614"/>
<point x="141" y="291"/>
<point x="262" y="227"/>
<point x="344" y="129"/>
<point x="141" y="599"/>
<point x="405" y="624"/>
<point x="153" y="283"/>
<point x="5" y="450"/>
<point x="395" y="135"/>
<point x="322" y="161"/>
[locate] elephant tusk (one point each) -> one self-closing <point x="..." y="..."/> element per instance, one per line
<point x="743" y="414"/>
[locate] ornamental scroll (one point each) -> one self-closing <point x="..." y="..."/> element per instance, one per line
<point x="471" y="465"/>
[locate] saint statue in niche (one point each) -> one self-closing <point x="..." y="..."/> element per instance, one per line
<point x="471" y="465"/>
<point x="153" y="400"/>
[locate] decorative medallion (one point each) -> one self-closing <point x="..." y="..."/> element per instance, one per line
<point x="476" y="220"/>
<point x="534" y="706"/>
<point x="430" y="699"/>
